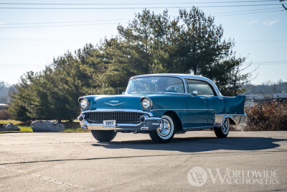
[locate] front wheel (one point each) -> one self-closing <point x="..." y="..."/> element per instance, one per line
<point x="165" y="132"/>
<point x="223" y="131"/>
<point x="104" y="136"/>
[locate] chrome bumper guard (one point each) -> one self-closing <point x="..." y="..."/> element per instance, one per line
<point x="147" y="124"/>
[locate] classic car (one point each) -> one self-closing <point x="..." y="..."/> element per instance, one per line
<point x="162" y="105"/>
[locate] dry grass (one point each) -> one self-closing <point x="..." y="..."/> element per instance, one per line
<point x="270" y="116"/>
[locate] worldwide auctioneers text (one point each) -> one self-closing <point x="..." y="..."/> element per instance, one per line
<point x="197" y="176"/>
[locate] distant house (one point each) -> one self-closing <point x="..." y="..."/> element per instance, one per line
<point x="4" y="106"/>
<point x="265" y="92"/>
<point x="279" y="95"/>
<point x="260" y="98"/>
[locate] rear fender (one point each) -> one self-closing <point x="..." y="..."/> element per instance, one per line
<point x="234" y="105"/>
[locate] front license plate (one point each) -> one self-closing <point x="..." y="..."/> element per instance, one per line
<point x="109" y="123"/>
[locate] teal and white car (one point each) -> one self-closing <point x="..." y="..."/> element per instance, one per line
<point x="162" y="105"/>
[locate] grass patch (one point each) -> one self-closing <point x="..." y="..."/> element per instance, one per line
<point x="25" y="127"/>
<point x="72" y="127"/>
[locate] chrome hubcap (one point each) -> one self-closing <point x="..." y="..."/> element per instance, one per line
<point x="164" y="128"/>
<point x="225" y="126"/>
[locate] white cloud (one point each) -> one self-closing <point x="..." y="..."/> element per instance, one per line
<point x="252" y="22"/>
<point x="1" y="23"/>
<point x="270" y="22"/>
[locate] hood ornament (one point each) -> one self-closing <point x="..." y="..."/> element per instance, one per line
<point x="114" y="103"/>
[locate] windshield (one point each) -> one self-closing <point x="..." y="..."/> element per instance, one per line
<point x="155" y="85"/>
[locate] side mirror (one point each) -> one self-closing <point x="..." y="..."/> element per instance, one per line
<point x="194" y="93"/>
<point x="123" y="93"/>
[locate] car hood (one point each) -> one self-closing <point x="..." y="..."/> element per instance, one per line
<point x="114" y="102"/>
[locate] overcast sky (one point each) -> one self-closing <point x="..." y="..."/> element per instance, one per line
<point x="259" y="30"/>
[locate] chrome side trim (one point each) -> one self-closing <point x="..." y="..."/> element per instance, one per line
<point x="197" y="128"/>
<point x="239" y="119"/>
<point x="236" y="120"/>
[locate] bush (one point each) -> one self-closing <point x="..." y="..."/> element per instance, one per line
<point x="269" y="116"/>
<point x="5" y="115"/>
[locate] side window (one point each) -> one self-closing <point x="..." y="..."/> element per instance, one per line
<point x="201" y="87"/>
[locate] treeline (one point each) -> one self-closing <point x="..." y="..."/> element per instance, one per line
<point x="151" y="43"/>
<point x="267" y="87"/>
<point x="4" y="92"/>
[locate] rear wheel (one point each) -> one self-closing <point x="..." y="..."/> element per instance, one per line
<point x="104" y="136"/>
<point x="223" y="131"/>
<point x="165" y="132"/>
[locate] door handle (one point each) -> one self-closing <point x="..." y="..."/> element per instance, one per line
<point x="220" y="98"/>
<point x="202" y="97"/>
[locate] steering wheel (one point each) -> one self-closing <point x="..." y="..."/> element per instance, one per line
<point x="175" y="88"/>
<point x="181" y="90"/>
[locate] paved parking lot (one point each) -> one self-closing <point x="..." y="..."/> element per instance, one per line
<point x="245" y="161"/>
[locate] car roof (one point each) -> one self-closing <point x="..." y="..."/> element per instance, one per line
<point x="180" y="75"/>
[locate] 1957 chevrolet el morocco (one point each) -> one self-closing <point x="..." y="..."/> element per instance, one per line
<point x="162" y="105"/>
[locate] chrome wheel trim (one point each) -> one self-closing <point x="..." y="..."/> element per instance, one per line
<point x="225" y="126"/>
<point x="166" y="128"/>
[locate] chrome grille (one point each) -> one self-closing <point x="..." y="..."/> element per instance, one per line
<point x="120" y="117"/>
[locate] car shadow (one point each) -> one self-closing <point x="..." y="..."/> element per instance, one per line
<point x="198" y="144"/>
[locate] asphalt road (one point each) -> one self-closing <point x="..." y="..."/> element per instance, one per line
<point x="245" y="161"/>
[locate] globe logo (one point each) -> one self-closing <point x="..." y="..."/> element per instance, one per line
<point x="197" y="176"/>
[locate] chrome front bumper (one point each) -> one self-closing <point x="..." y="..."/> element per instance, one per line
<point x="148" y="124"/>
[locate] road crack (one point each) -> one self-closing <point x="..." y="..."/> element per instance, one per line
<point x="45" y="178"/>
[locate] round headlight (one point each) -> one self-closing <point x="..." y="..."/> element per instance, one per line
<point x="84" y="103"/>
<point x="146" y="103"/>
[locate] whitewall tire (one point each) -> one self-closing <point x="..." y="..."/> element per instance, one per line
<point x="223" y="131"/>
<point x="165" y="132"/>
